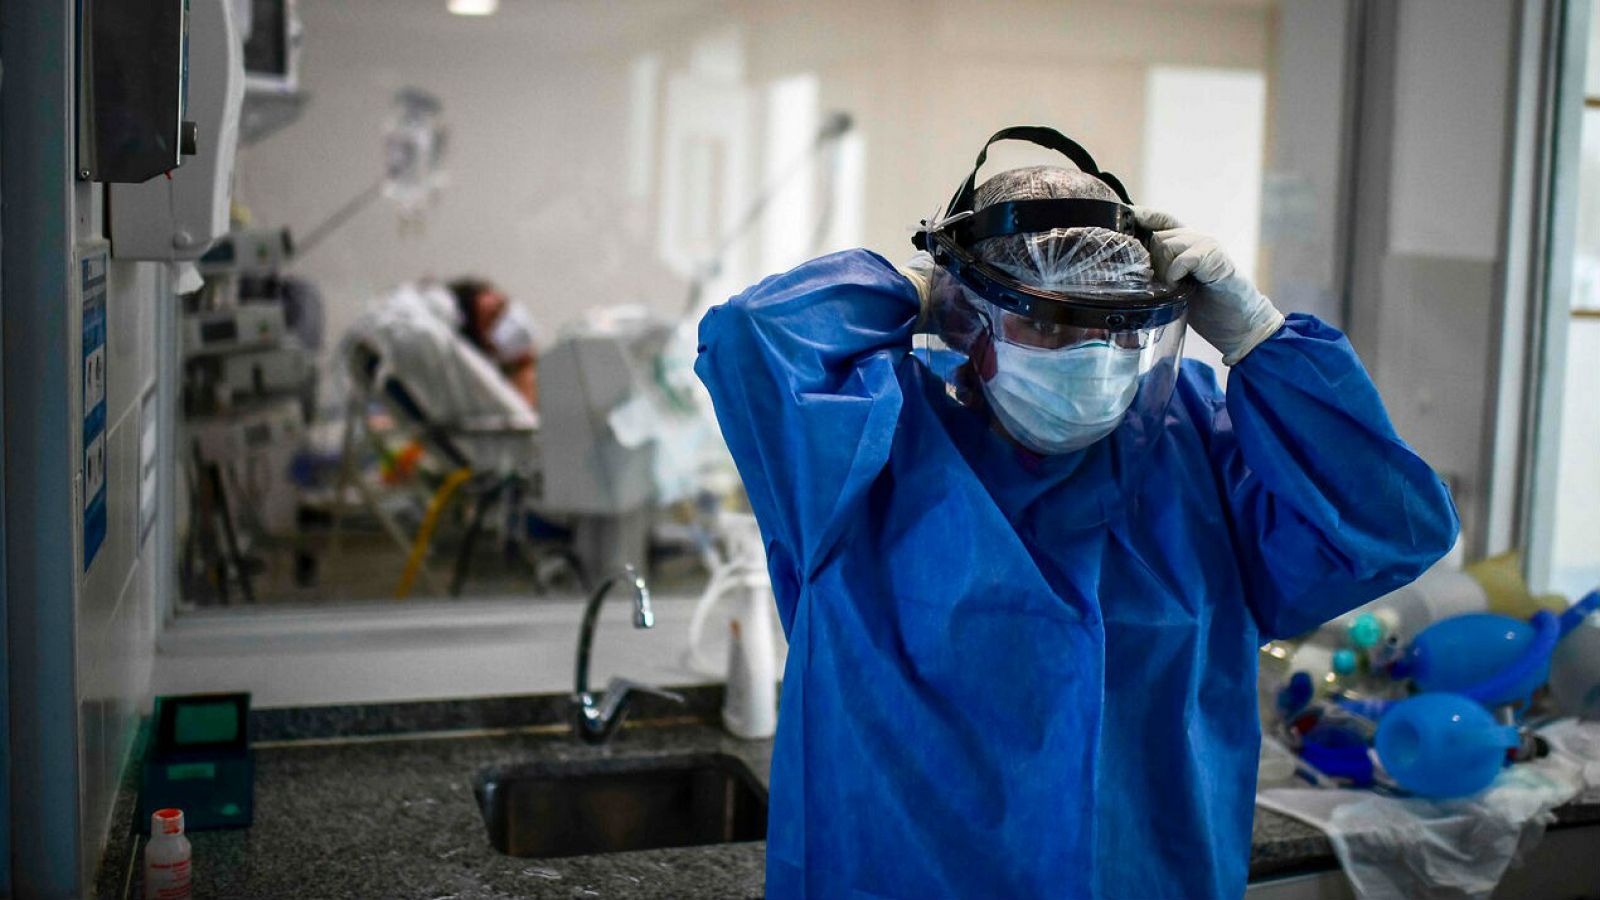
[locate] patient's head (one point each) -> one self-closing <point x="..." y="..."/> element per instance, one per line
<point x="481" y="305"/>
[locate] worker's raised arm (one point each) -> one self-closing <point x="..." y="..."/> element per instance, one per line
<point x="1329" y="506"/>
<point x="801" y="370"/>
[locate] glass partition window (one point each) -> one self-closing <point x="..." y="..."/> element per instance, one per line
<point x="1575" y="566"/>
<point x="468" y="373"/>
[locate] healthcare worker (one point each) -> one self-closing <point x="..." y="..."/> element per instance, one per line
<point x="1025" y="557"/>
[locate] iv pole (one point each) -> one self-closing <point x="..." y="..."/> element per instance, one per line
<point x="835" y="127"/>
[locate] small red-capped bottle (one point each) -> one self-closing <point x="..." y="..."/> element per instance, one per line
<point x="166" y="858"/>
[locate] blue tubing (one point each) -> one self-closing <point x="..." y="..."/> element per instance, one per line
<point x="1546" y="631"/>
<point x="1577" y="612"/>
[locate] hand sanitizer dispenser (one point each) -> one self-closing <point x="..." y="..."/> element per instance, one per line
<point x="177" y="216"/>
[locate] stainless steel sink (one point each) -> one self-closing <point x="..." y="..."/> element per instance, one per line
<point x="612" y="805"/>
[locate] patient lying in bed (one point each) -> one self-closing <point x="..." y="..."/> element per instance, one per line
<point x="416" y="335"/>
<point x="501" y="330"/>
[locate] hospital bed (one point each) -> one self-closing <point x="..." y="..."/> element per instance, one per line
<point x="591" y="458"/>
<point x="483" y="460"/>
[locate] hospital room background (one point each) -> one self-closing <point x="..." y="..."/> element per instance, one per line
<point x="614" y="172"/>
<point x="339" y="494"/>
<point x="649" y="163"/>
<point x="643" y="164"/>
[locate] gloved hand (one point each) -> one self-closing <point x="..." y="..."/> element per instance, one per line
<point x="919" y="270"/>
<point x="939" y="294"/>
<point x="1228" y="311"/>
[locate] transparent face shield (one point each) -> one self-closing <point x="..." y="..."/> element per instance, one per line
<point x="1045" y="315"/>
<point x="1034" y="334"/>
<point x="1050" y="387"/>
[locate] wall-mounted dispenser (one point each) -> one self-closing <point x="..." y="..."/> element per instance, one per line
<point x="179" y="214"/>
<point x="133" y="61"/>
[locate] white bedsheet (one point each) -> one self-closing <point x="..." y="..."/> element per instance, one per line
<point x="455" y="385"/>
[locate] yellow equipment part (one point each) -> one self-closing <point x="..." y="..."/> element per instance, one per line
<point x="419" y="547"/>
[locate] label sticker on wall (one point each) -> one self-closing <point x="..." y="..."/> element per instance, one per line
<point x="92" y="288"/>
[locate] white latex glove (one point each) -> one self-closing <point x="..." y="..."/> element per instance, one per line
<point x="1228" y="311"/>
<point x="919" y="271"/>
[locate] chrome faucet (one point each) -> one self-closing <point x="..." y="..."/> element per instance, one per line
<point x="595" y="721"/>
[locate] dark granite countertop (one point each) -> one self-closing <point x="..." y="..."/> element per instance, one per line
<point x="397" y="819"/>
<point x="393" y="815"/>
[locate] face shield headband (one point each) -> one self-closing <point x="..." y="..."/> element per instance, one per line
<point x="1110" y="307"/>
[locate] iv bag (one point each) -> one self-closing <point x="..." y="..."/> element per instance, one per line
<point x="414" y="145"/>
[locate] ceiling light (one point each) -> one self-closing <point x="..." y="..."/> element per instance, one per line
<point x="473" y="7"/>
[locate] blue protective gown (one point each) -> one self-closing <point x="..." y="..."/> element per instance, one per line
<point x="1020" y="677"/>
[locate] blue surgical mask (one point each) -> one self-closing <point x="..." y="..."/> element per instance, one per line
<point x="1057" y="401"/>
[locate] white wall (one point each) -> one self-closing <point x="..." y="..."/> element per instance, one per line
<point x="1586" y="274"/>
<point x="545" y="185"/>
<point x="1431" y="299"/>
<point x="1305" y="196"/>
<point x="1575" y="566"/>
<point x="1453" y="83"/>
<point x="1212" y="185"/>
<point x="119" y="596"/>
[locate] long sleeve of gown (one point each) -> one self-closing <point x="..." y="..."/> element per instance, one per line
<point x="801" y="371"/>
<point x="1329" y="507"/>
